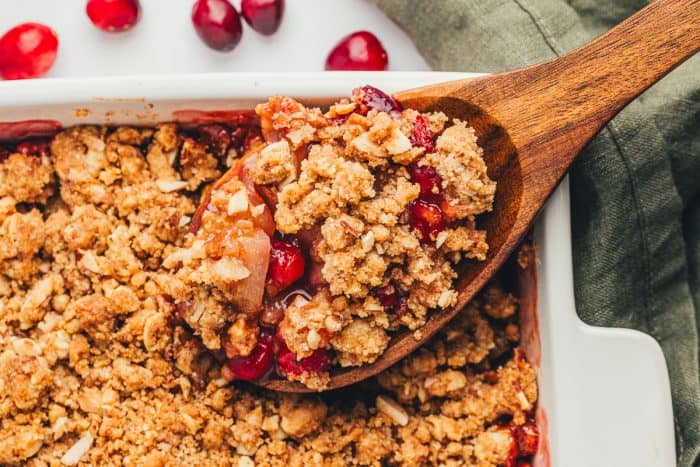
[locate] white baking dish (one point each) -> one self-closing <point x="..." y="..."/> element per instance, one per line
<point x="604" y="392"/>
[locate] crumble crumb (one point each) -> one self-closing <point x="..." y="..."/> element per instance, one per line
<point x="100" y="363"/>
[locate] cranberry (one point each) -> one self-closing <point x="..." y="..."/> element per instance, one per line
<point x="386" y="295"/>
<point x="113" y="15"/>
<point x="392" y="299"/>
<point x="427" y="218"/>
<point x="523" y="464"/>
<point x="287" y="264"/>
<point x="216" y="137"/>
<point x="369" y="97"/>
<point x="257" y="363"/>
<point x="421" y="136"/>
<point x="27" y="51"/>
<point x="39" y="147"/>
<point x="288" y="364"/>
<point x="360" y="50"/>
<point x="218" y="24"/>
<point x="527" y="436"/>
<point x="264" y="16"/>
<point x="429" y="180"/>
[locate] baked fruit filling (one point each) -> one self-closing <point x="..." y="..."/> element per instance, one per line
<point x="330" y="233"/>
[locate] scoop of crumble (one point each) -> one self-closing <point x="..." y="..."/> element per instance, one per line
<point x="330" y="234"/>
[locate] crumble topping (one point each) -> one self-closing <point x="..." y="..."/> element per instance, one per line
<point x="378" y="198"/>
<point x="115" y="321"/>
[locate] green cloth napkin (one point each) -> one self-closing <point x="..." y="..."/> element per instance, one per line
<point x="635" y="190"/>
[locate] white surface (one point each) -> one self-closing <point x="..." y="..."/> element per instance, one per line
<point x="164" y="41"/>
<point x="606" y="391"/>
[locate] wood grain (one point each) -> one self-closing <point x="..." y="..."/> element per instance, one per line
<point x="532" y="123"/>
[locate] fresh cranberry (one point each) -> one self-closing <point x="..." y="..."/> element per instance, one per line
<point x="218" y="24"/>
<point x="421" y="136"/>
<point x="359" y="51"/>
<point x="287" y="264"/>
<point x="427" y="218"/>
<point x="264" y="16"/>
<point x="216" y="137"/>
<point x="257" y="363"/>
<point x="27" y="51"/>
<point x="429" y="180"/>
<point x="523" y="464"/>
<point x="39" y="147"/>
<point x="288" y="364"/>
<point x="373" y="98"/>
<point x="113" y="15"/>
<point x="527" y="436"/>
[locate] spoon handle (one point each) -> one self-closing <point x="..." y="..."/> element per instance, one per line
<point x="553" y="109"/>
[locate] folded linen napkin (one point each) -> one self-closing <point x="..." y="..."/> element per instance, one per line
<point x="636" y="189"/>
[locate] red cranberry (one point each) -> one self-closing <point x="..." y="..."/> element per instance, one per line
<point x="39" y="147"/>
<point x="512" y="459"/>
<point x="527" y="436"/>
<point x="113" y="15"/>
<point x="523" y="464"/>
<point x="429" y="180"/>
<point x="386" y="295"/>
<point x="427" y="218"/>
<point x="421" y="136"/>
<point x="373" y="98"/>
<point x="264" y="16"/>
<point x="218" y="24"/>
<point x="360" y="50"/>
<point x="257" y="363"/>
<point x="288" y="364"/>
<point x="216" y="137"/>
<point x="287" y="264"/>
<point x="391" y="299"/>
<point x="27" y="51"/>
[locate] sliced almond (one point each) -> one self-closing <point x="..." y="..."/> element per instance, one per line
<point x="78" y="450"/>
<point x="169" y="186"/>
<point x="440" y="239"/>
<point x="392" y="409"/>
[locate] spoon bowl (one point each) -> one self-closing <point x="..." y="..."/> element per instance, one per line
<point x="532" y="123"/>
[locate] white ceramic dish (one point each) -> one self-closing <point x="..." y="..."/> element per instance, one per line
<point x="605" y="392"/>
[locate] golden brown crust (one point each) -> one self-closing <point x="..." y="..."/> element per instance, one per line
<point x="93" y="347"/>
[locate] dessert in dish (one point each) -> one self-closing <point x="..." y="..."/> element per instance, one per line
<point x="362" y="211"/>
<point x="110" y="353"/>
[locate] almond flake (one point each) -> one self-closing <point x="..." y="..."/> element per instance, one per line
<point x="184" y="220"/>
<point x="367" y="241"/>
<point x="169" y="186"/>
<point x="392" y="409"/>
<point x="522" y="399"/>
<point x="440" y="239"/>
<point x="78" y="450"/>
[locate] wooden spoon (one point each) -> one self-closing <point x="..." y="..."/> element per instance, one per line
<point x="532" y="123"/>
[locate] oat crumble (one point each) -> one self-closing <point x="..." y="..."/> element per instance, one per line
<point x="117" y="315"/>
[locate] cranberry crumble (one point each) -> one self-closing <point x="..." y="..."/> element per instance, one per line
<point x="365" y="209"/>
<point x="147" y="273"/>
